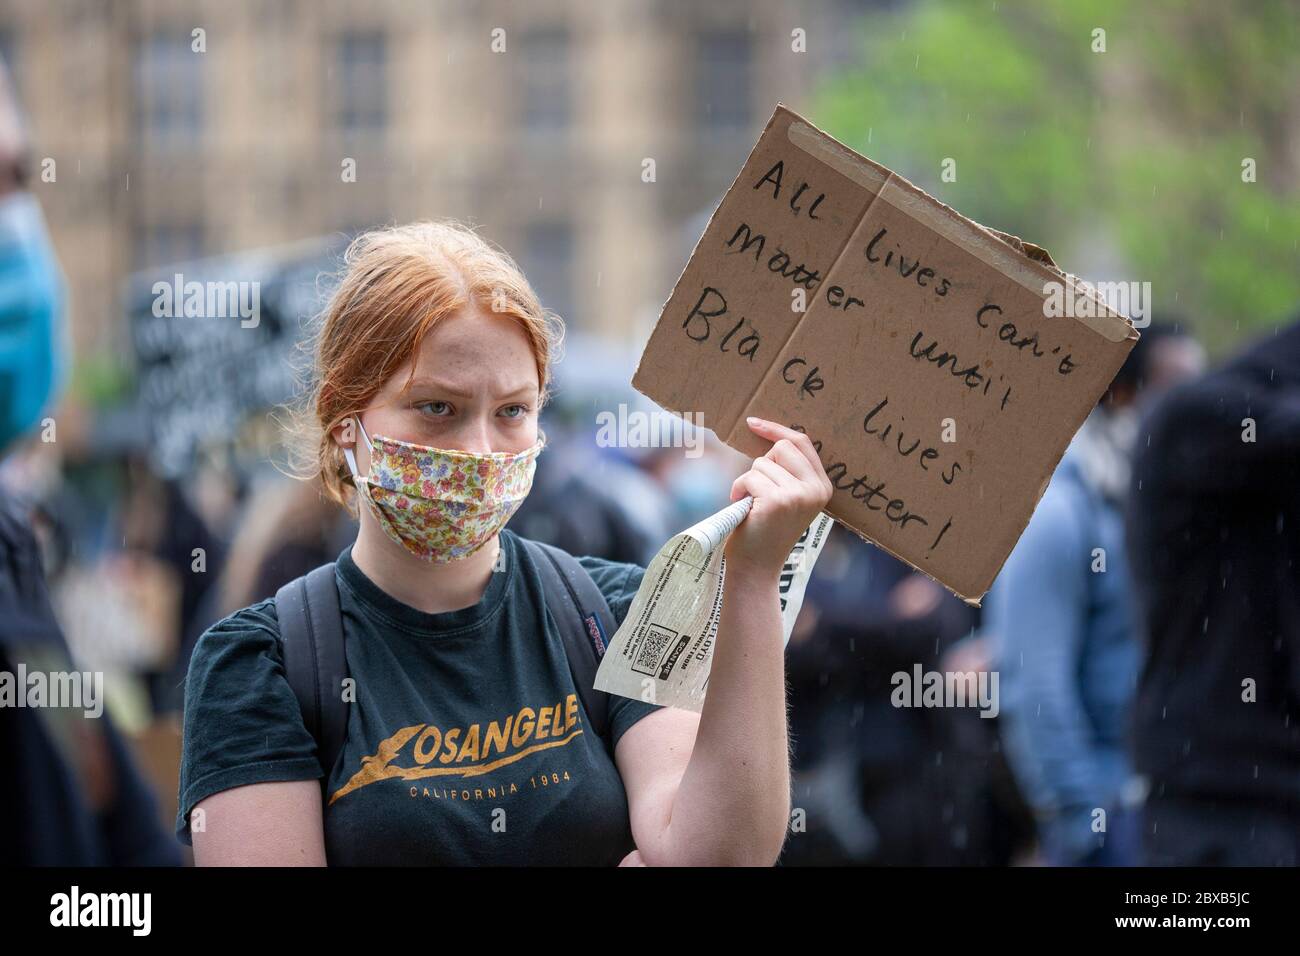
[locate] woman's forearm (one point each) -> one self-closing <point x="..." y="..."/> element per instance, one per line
<point x="733" y="804"/>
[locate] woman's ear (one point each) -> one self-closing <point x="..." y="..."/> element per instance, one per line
<point x="345" y="432"/>
<point x="355" y="453"/>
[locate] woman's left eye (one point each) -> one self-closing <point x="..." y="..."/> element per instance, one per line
<point x="522" y="410"/>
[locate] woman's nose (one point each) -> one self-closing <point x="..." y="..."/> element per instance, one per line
<point x="476" y="437"/>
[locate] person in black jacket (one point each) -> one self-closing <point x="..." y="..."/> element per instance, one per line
<point x="1214" y="540"/>
<point x="72" y="796"/>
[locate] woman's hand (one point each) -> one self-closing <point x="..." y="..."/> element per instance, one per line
<point x="790" y="487"/>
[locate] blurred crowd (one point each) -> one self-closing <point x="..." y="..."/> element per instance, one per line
<point x="1145" y="630"/>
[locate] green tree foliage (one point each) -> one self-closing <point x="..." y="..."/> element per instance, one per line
<point x="1132" y="156"/>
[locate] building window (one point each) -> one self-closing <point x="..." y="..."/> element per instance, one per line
<point x="169" y="89"/>
<point x="724" y="77"/>
<point x="545" y="83"/>
<point x="361" y="83"/>
<point x="548" y="262"/>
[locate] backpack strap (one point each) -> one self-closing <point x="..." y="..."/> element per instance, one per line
<point x="311" y="634"/>
<point x="585" y="621"/>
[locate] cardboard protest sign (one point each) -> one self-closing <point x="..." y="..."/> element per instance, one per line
<point x="911" y="344"/>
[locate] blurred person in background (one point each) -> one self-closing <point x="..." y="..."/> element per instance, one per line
<point x="1061" y="618"/>
<point x="286" y="529"/>
<point x="882" y="784"/>
<point x="697" y="485"/>
<point x="165" y="537"/>
<point x="72" y="795"/>
<point x="1214" y="539"/>
<point x="587" y="502"/>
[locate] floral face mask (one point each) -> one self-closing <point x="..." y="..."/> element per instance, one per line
<point x="442" y="505"/>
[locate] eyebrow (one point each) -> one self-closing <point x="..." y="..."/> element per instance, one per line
<point x="452" y="390"/>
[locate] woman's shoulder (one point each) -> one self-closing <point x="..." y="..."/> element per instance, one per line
<point x="258" y="618"/>
<point x="250" y="635"/>
<point x="611" y="574"/>
<point x="617" y="580"/>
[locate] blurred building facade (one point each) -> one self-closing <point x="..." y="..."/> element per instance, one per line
<point x="166" y="131"/>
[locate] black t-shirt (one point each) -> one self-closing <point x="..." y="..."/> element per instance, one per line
<point x="467" y="743"/>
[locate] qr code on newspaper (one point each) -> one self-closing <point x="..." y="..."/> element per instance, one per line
<point x="656" y="642"/>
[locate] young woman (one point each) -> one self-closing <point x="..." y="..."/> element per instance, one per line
<point x="465" y="740"/>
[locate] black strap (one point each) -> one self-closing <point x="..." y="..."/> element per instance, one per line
<point x="585" y="622"/>
<point x="311" y="634"/>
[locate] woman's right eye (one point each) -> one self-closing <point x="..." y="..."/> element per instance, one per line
<point x="431" y="405"/>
